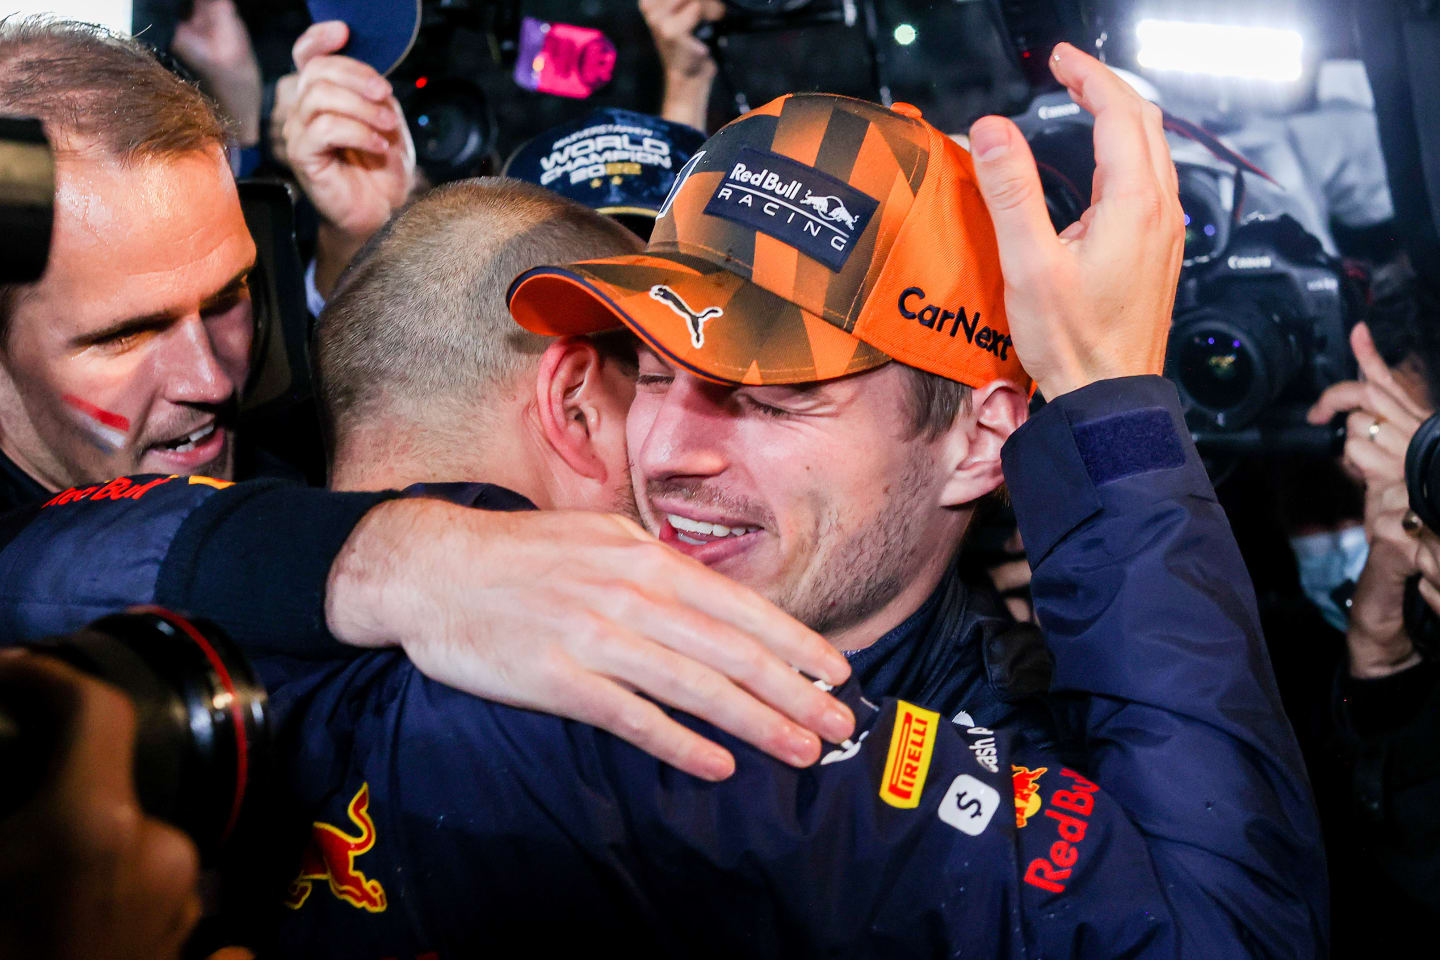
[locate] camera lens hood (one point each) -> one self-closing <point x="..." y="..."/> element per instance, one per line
<point x="1422" y="472"/>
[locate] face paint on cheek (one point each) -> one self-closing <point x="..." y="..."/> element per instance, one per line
<point x="106" y="430"/>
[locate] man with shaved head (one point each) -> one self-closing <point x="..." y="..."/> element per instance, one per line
<point x="425" y="378"/>
<point x="130" y="354"/>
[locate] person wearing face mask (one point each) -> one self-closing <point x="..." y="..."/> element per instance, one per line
<point x="1385" y="714"/>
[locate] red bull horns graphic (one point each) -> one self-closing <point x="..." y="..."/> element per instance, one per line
<point x="331" y="855"/>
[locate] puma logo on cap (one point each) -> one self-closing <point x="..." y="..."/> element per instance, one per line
<point x="695" y="321"/>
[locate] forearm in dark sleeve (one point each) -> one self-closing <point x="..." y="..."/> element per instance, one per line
<point x="257" y="562"/>
<point x="1185" y="729"/>
<point x="254" y="557"/>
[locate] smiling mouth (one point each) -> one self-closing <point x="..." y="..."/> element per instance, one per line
<point x="697" y="533"/>
<point x="189" y="441"/>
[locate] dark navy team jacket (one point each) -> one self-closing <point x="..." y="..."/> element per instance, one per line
<point x="1181" y="823"/>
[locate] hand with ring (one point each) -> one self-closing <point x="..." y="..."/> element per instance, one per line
<point x="1382" y="415"/>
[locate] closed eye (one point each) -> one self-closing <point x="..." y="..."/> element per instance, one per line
<point x="765" y="409"/>
<point x="122" y="338"/>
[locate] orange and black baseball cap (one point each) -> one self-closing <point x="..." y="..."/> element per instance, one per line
<point x="815" y="237"/>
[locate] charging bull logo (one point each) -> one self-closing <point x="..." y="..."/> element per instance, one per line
<point x="695" y="321"/>
<point x="831" y="209"/>
<point x="1027" y="793"/>
<point x="331" y="855"/>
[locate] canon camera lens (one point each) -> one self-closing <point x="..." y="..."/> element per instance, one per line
<point x="1231" y="361"/>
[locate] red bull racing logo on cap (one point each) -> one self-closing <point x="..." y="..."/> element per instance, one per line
<point x="811" y="211"/>
<point x="331" y="855"/>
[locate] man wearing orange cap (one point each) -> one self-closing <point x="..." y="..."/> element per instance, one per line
<point x="789" y="453"/>
<point x="807" y="246"/>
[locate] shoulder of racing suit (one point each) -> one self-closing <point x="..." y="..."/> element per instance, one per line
<point x="194" y="544"/>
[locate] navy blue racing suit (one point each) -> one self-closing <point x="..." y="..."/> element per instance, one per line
<point x="450" y="826"/>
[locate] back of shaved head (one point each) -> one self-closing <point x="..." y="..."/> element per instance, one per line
<point x="418" y="329"/>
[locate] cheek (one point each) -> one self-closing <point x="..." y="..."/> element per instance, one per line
<point x="639" y="421"/>
<point x="95" y="406"/>
<point x="231" y="337"/>
<point x="122" y="385"/>
<point x="829" y="489"/>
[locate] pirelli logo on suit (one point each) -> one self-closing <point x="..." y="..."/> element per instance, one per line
<point x="908" y="761"/>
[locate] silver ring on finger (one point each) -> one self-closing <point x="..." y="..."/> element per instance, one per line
<point x="1374" y="431"/>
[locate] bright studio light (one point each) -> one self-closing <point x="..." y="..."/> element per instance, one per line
<point x="1220" y="50"/>
<point x="114" y="14"/>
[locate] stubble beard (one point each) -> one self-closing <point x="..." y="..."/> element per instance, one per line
<point x="852" y="576"/>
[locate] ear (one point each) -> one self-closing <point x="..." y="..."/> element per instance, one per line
<point x="971" y="448"/>
<point x="581" y="405"/>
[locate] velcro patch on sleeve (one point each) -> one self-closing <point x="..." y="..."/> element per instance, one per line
<point x="1130" y="443"/>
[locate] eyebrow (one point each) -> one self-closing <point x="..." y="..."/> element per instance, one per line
<point x="146" y="321"/>
<point x="796" y="389"/>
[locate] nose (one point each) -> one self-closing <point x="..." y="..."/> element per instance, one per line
<point x="191" y="368"/>
<point x="687" y="436"/>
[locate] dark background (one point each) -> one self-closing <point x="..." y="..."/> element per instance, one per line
<point x="958" y="68"/>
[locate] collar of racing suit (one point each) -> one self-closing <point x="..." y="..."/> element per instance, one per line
<point x="958" y="640"/>
<point x="482" y="496"/>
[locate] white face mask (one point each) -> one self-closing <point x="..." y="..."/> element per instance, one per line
<point x="1328" y="561"/>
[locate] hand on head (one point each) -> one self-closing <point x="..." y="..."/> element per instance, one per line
<point x="1094" y="302"/>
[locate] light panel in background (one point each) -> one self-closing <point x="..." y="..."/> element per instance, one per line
<point x="114" y="14"/>
<point x="1221" y="50"/>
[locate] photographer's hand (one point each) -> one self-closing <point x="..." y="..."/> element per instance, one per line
<point x="214" y="43"/>
<point x="1095" y="302"/>
<point x="1376" y="639"/>
<point x="86" y="874"/>
<point x="574" y="613"/>
<point x="689" y="68"/>
<point x="1383" y="416"/>
<point x="346" y="141"/>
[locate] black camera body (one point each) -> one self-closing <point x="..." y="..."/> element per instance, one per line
<point x="1262" y="313"/>
<point x="1261" y="328"/>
